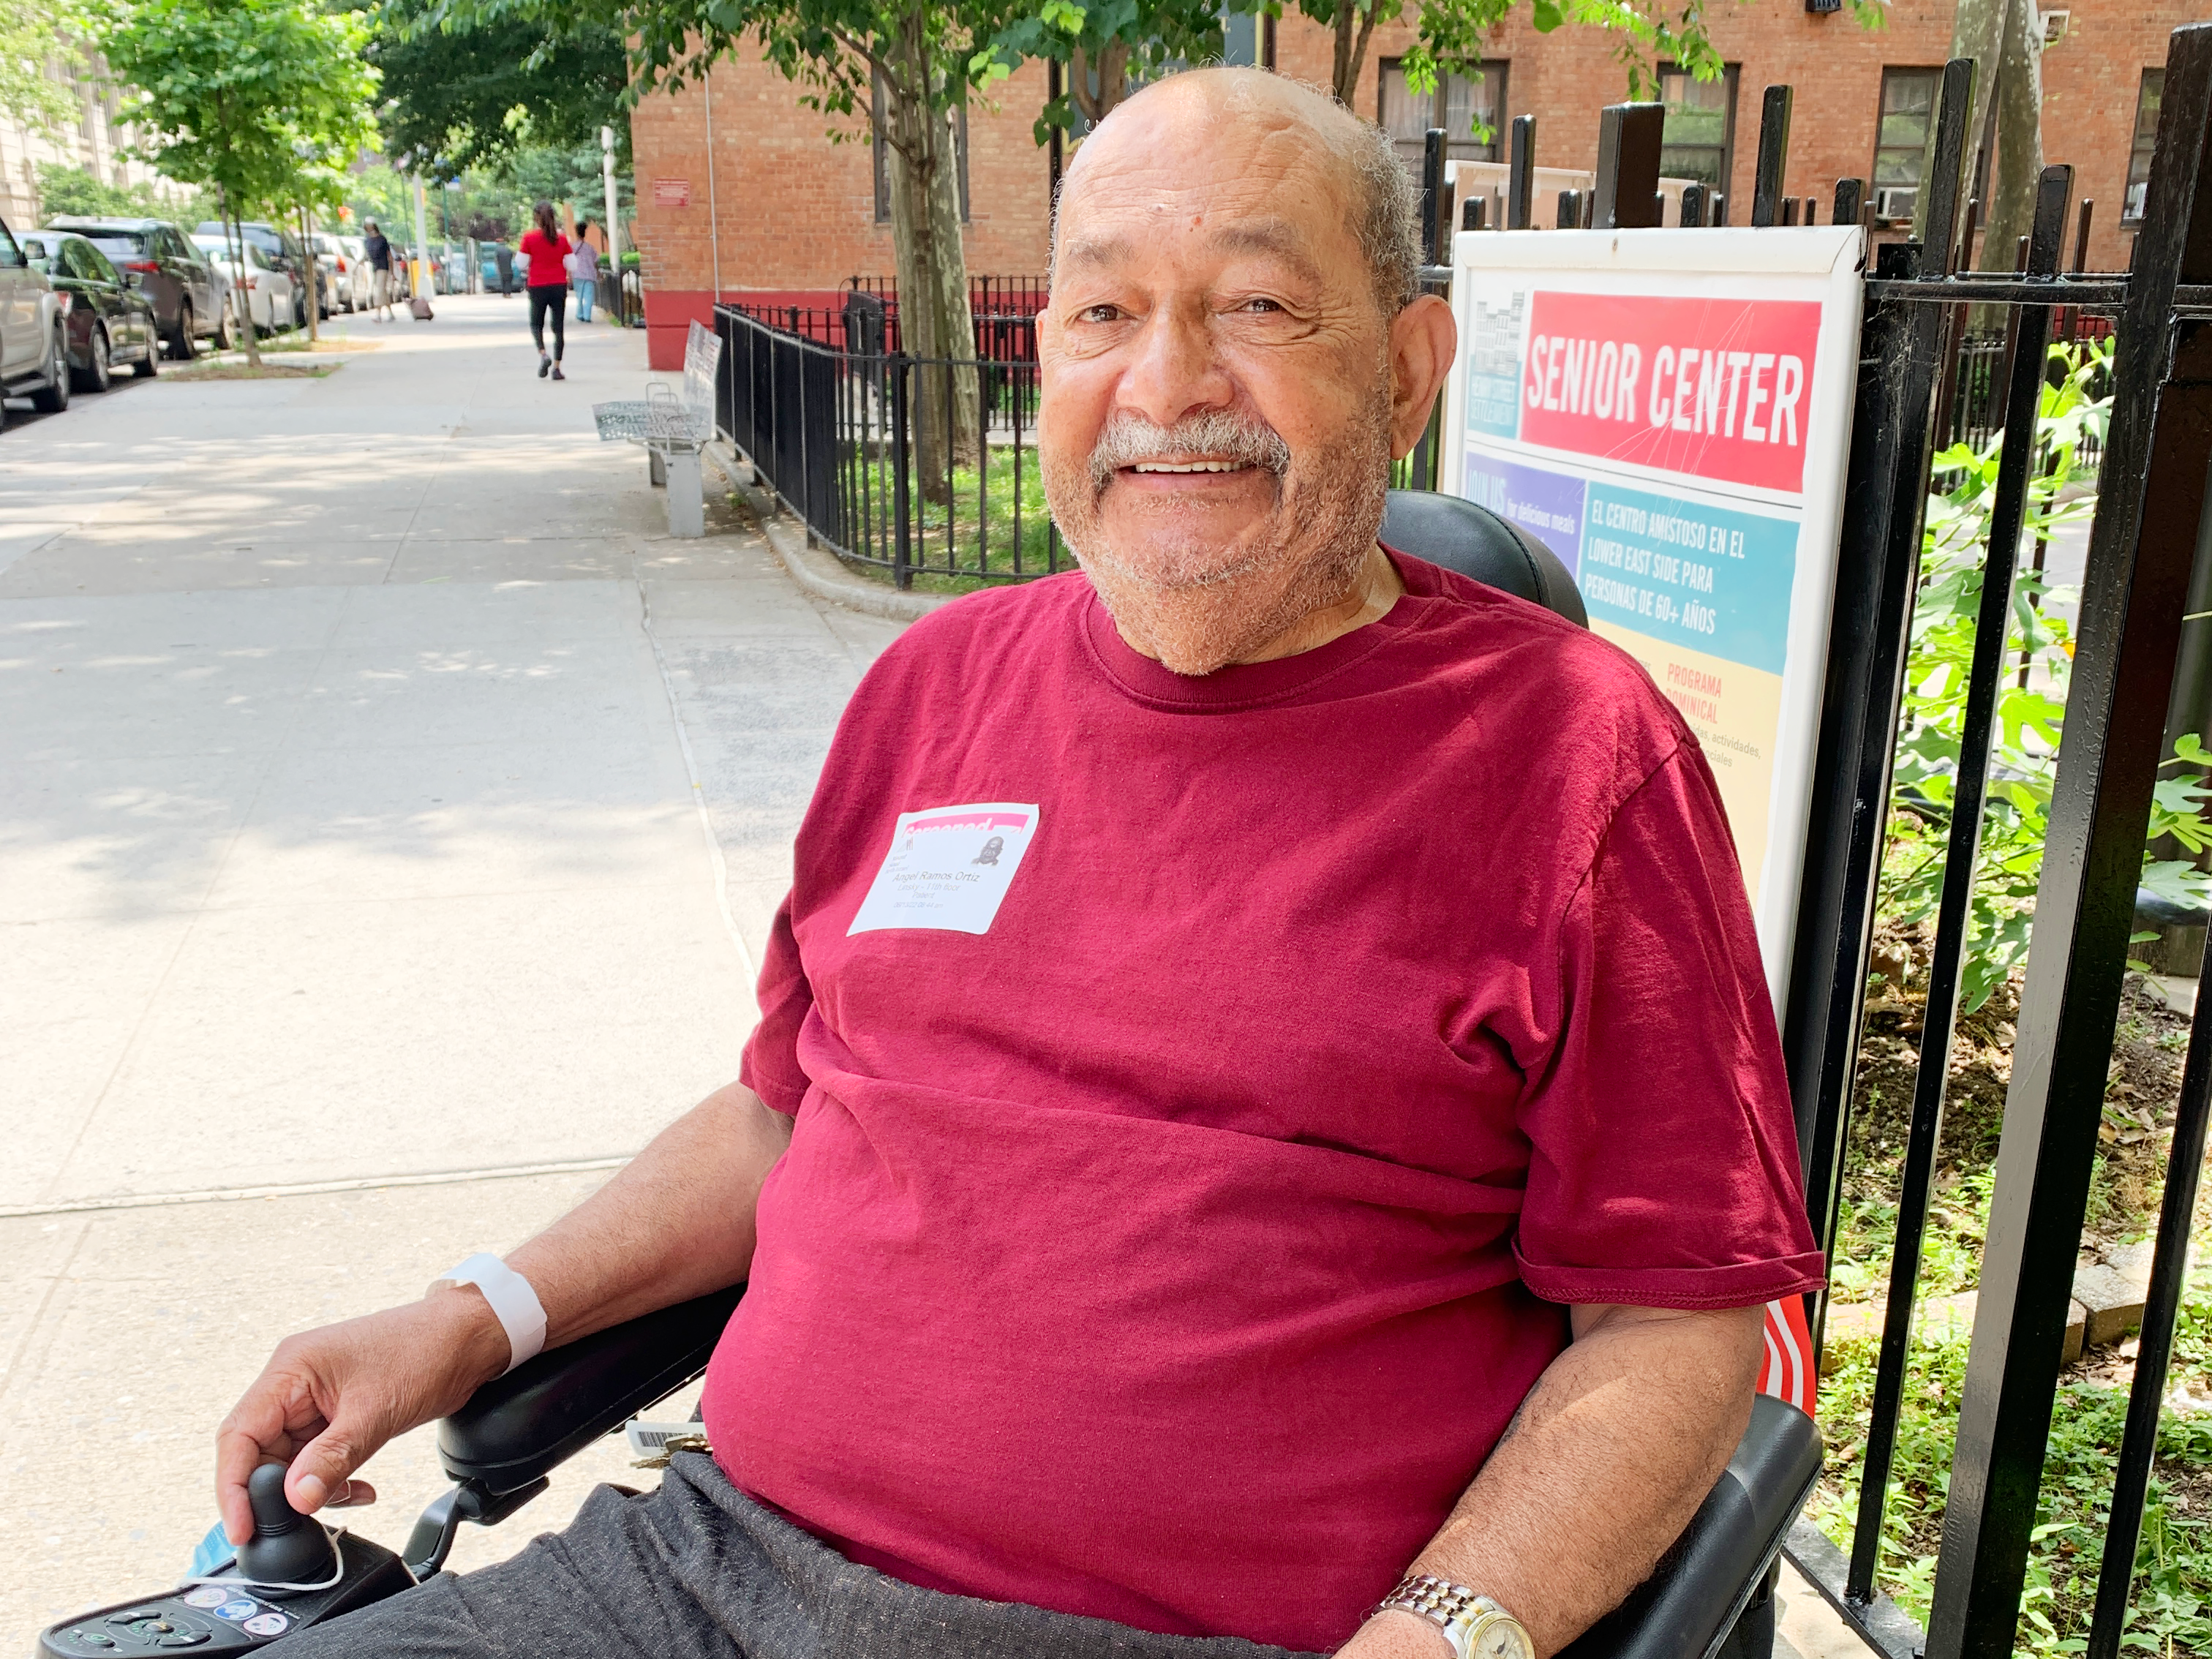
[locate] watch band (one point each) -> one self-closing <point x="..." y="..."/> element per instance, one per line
<point x="1476" y="1626"/>
<point x="512" y="1302"/>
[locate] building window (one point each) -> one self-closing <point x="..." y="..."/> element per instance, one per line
<point x="1900" y="140"/>
<point x="1699" y="139"/>
<point x="884" y="166"/>
<point x="2147" y="101"/>
<point x="1457" y="103"/>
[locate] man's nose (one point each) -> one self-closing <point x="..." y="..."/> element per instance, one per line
<point x="1174" y="369"/>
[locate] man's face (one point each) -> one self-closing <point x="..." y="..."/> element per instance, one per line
<point x="1217" y="411"/>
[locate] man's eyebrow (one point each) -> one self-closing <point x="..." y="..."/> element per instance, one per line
<point x="1275" y="236"/>
<point x="1093" y="251"/>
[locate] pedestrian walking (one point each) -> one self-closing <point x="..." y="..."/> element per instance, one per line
<point x="587" y="272"/>
<point x="502" y="256"/>
<point x="546" y="248"/>
<point x="376" y="248"/>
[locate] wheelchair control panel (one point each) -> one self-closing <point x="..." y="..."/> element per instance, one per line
<point x="290" y="1575"/>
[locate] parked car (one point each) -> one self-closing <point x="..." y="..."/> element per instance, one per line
<point x="359" y="280"/>
<point x="273" y="300"/>
<point x="283" y="251"/>
<point x="33" y="353"/>
<point x="107" y="320"/>
<point x="174" y="275"/>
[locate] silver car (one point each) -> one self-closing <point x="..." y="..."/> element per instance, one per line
<point x="33" y="349"/>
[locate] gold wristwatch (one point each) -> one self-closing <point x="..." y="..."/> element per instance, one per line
<point x="1476" y="1626"/>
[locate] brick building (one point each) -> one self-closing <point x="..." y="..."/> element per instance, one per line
<point x="741" y="190"/>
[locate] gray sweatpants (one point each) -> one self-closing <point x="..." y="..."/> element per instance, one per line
<point x="696" y="1569"/>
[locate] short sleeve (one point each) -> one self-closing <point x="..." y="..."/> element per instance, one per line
<point x="770" y="1066"/>
<point x="1663" y="1165"/>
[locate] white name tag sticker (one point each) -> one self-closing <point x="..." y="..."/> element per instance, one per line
<point x="949" y="867"/>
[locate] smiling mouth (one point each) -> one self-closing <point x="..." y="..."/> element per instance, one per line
<point x="1191" y="466"/>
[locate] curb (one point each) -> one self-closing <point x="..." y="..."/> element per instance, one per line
<point x="816" y="569"/>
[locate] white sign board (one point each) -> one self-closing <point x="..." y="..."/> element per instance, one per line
<point x="1669" y="411"/>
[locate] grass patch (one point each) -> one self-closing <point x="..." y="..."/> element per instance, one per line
<point x="245" y="371"/>
<point x="974" y="531"/>
<point x="328" y="343"/>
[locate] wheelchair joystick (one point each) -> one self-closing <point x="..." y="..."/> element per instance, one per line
<point x="287" y="1547"/>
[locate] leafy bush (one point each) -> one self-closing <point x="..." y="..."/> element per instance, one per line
<point x="2025" y="758"/>
<point x="67" y="190"/>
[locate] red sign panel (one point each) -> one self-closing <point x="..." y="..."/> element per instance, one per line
<point x="672" y="192"/>
<point x="1713" y="388"/>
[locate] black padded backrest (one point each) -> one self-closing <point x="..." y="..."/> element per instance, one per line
<point x="1453" y="531"/>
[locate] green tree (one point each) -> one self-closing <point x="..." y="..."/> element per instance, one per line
<point x="72" y="190"/>
<point x="35" y="35"/>
<point x="258" y="99"/>
<point x="478" y="95"/>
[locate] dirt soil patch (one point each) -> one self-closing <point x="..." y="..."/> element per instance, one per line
<point x="248" y="372"/>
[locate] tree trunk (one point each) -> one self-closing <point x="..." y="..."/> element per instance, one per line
<point x="933" y="270"/>
<point x="314" y="274"/>
<point x="1354" y="27"/>
<point x="1112" y="67"/>
<point x="243" y="300"/>
<point x="2005" y="40"/>
<point x="2010" y="202"/>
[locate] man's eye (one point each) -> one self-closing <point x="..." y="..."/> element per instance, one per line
<point x="1258" y="304"/>
<point x="1100" y="313"/>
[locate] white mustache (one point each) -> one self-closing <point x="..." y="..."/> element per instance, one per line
<point x="1219" y="434"/>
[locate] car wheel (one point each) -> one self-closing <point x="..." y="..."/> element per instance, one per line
<point x="226" y="330"/>
<point x="53" y="397"/>
<point x="98" y="373"/>
<point x="186" y="346"/>
<point x="150" y="350"/>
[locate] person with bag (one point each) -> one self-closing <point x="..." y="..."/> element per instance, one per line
<point x="546" y="249"/>
<point x="376" y="248"/>
<point x="585" y="266"/>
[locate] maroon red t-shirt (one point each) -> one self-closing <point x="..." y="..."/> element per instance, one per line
<point x="1174" y="1249"/>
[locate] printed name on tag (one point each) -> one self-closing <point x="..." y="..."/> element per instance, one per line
<point x="949" y="867"/>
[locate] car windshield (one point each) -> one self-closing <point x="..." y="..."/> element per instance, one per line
<point x="121" y="241"/>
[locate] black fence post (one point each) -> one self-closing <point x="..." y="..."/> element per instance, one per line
<point x="1693" y="206"/>
<point x="901" y="437"/>
<point x="1850" y="201"/>
<point x="1433" y="220"/>
<point x="2139" y="561"/>
<point x="1627" y="192"/>
<point x="1773" y="156"/>
<point x="1885" y="496"/>
<point x="2023" y="399"/>
<point x="1521" y="177"/>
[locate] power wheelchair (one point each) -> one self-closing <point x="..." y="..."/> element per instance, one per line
<point x="1710" y="1597"/>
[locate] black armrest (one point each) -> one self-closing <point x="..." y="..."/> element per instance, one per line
<point x="1455" y="533"/>
<point x="1686" y="1608"/>
<point x="541" y="1413"/>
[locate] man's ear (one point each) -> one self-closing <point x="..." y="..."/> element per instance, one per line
<point x="1423" y="339"/>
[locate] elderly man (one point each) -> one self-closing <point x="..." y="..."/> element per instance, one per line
<point x="1338" y="1134"/>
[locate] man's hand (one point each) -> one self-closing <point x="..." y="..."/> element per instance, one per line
<point x="330" y="1398"/>
<point x="1397" y="1635"/>
<point x="675" y="1223"/>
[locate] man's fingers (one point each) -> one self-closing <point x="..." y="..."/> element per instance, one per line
<point x="323" y="1467"/>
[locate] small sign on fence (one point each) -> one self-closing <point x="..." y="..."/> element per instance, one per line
<point x="1669" y="411"/>
<point x="672" y="192"/>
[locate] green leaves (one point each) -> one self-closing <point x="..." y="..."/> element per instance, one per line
<point x="264" y="99"/>
<point x="2029" y="718"/>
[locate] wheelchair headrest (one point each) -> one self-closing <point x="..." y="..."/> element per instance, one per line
<point x="1453" y="531"/>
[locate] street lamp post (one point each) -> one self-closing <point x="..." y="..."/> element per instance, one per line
<point x="614" y="246"/>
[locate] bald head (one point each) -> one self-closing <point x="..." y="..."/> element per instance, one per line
<point x="1179" y="130"/>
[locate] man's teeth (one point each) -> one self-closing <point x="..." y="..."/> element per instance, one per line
<point x="1190" y="466"/>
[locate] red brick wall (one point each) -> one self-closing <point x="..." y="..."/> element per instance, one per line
<point x="798" y="212"/>
<point x="795" y="210"/>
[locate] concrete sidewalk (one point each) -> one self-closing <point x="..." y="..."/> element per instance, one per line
<point x="364" y="736"/>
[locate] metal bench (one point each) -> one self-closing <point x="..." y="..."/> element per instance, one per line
<point x="673" y="428"/>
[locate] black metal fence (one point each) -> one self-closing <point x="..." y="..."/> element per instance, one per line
<point x="916" y="466"/>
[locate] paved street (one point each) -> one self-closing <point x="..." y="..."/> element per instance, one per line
<point x="389" y="812"/>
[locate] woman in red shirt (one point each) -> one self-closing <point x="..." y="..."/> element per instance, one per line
<point x="548" y="281"/>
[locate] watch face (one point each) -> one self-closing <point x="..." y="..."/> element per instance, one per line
<point x="1501" y="1639"/>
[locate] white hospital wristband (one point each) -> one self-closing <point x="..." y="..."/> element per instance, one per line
<point x="513" y="1301"/>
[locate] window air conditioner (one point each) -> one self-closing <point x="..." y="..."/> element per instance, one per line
<point x="1893" y="204"/>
